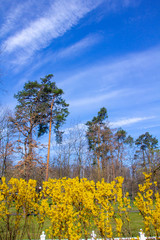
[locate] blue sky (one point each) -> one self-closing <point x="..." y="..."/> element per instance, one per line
<point x="103" y="53"/>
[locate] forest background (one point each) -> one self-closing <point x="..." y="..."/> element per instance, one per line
<point x="93" y="150"/>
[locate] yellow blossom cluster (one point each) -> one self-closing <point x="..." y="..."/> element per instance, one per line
<point x="71" y="207"/>
<point x="18" y="204"/>
<point x="74" y="206"/>
<point x="148" y="204"/>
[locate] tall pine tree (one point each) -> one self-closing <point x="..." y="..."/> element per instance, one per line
<point x="99" y="137"/>
<point x="40" y="105"/>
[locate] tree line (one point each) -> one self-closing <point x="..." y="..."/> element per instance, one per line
<point x="93" y="150"/>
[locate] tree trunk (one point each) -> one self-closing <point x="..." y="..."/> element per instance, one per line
<point x="49" y="141"/>
<point x="98" y="155"/>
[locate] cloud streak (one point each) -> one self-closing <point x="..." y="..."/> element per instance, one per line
<point x="17" y="15"/>
<point x="96" y="99"/>
<point x="136" y="68"/>
<point x="79" y="46"/>
<point x="10" y="20"/>
<point x="50" y="21"/>
<point x="64" y="53"/>
<point x="113" y="124"/>
<point x="129" y="121"/>
<point x="39" y="33"/>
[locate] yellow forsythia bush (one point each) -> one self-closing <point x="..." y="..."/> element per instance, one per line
<point x="18" y="206"/>
<point x="70" y="208"/>
<point x="148" y="204"/>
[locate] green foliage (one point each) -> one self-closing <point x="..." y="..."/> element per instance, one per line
<point x="146" y="141"/>
<point x="39" y="105"/>
<point x="121" y="135"/>
<point x="51" y="94"/>
<point x="93" y="136"/>
<point x="34" y="105"/>
<point x="129" y="140"/>
<point x="146" y="151"/>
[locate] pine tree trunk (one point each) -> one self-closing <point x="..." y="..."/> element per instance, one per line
<point x="49" y="140"/>
<point x="98" y="155"/>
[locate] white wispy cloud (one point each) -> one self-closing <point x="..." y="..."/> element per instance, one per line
<point x="79" y="46"/>
<point x="37" y="29"/>
<point x="69" y="52"/>
<point x="16" y="15"/>
<point x="129" y="121"/>
<point x="96" y="99"/>
<point x="150" y="126"/>
<point x="11" y="19"/>
<point x="114" y="124"/>
<point x="122" y="81"/>
<point x="39" y="33"/>
<point x="134" y="70"/>
<point x="115" y="5"/>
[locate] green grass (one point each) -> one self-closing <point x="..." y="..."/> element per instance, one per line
<point x="136" y="223"/>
